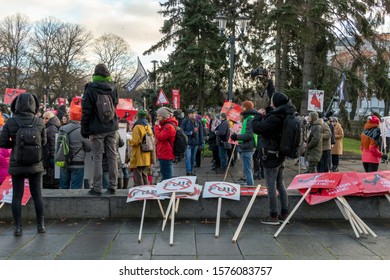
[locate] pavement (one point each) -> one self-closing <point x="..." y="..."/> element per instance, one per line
<point x="110" y="238"/>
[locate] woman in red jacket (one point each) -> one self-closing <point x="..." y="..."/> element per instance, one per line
<point x="370" y="144"/>
<point x="165" y="132"/>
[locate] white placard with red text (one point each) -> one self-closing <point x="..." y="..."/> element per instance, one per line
<point x="148" y="192"/>
<point x="183" y="184"/>
<point x="221" y="189"/>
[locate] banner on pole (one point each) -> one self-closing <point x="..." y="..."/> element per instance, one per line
<point x="232" y="111"/>
<point x="139" y="77"/>
<point x="315" y="100"/>
<point x="162" y="98"/>
<point x="176" y="98"/>
<point x="11" y="93"/>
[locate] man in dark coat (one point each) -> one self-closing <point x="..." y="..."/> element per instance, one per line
<point x="24" y="107"/>
<point x="102" y="134"/>
<point x="269" y="127"/>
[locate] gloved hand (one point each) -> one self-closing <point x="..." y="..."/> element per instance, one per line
<point x="384" y="157"/>
<point x="234" y="137"/>
<point x="84" y="133"/>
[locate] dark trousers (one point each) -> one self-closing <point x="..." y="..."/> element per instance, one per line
<point x="216" y="159"/>
<point x="35" y="182"/>
<point x="324" y="164"/>
<point x="335" y="160"/>
<point x="370" y="167"/>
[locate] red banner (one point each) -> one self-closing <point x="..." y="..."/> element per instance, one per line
<point x="176" y="98"/>
<point x="249" y="191"/>
<point x="315" y="180"/>
<point x="374" y="183"/>
<point x="232" y="111"/>
<point x="61" y="101"/>
<point x="11" y="93"/>
<point x="125" y="109"/>
<point x="6" y="191"/>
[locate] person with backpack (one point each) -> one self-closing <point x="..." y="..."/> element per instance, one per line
<point x="165" y="133"/>
<point x="72" y="175"/>
<point x="100" y="123"/>
<point x="141" y="159"/>
<point x="25" y="134"/>
<point x="194" y="131"/>
<point x="269" y="126"/>
<point x="52" y="127"/>
<point x="247" y="142"/>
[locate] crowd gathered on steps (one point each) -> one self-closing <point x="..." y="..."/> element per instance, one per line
<point x="257" y="148"/>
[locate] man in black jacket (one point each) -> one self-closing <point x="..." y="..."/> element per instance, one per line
<point x="269" y="128"/>
<point x="101" y="134"/>
<point x="223" y="134"/>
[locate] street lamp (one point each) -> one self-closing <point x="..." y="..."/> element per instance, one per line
<point x="154" y="75"/>
<point x="241" y="21"/>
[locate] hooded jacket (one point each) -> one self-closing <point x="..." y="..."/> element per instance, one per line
<point x="24" y="107"/>
<point x="52" y="127"/>
<point x="165" y="134"/>
<point x="269" y="128"/>
<point x="90" y="123"/>
<point x="245" y="139"/>
<point x="314" y="142"/>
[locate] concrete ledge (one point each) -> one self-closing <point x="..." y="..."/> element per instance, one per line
<point x="78" y="204"/>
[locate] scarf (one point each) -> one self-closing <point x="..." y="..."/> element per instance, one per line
<point x="375" y="134"/>
<point x="97" y="78"/>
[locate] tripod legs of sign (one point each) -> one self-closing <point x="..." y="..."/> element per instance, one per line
<point x="143" y="218"/>
<point x="386" y="195"/>
<point x="219" y="207"/>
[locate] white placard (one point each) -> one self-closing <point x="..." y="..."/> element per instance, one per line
<point x="193" y="196"/>
<point x="315" y="100"/>
<point x="183" y="184"/>
<point x="221" y="189"/>
<point x="148" y="192"/>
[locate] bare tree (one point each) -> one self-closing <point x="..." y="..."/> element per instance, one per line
<point x="116" y="53"/>
<point x="14" y="37"/>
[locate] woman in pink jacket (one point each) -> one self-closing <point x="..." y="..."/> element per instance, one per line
<point x="4" y="162"/>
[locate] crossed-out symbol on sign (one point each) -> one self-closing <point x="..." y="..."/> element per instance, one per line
<point x="147" y="194"/>
<point x="182" y="183"/>
<point x="222" y="189"/>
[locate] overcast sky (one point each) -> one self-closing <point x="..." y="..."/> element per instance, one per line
<point x="136" y="21"/>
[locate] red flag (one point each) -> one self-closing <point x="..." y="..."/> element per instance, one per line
<point x="232" y="111"/>
<point x="176" y="98"/>
<point x="125" y="107"/>
<point x="11" y="93"/>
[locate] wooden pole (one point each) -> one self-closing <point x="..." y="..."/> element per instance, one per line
<point x="386" y="195"/>
<point x="142" y="222"/>
<point x="177" y="205"/>
<point x="243" y="219"/>
<point x="1" y="205"/>
<point x="218" y="217"/>
<point x="172" y="219"/>
<point x="167" y="214"/>
<point x="161" y="208"/>
<point x="292" y="212"/>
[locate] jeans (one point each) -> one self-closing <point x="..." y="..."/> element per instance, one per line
<point x="247" y="158"/>
<point x="274" y="180"/>
<point x="99" y="143"/>
<point x="35" y="182"/>
<point x="222" y="156"/>
<point x="166" y="168"/>
<point x="190" y="158"/>
<point x="71" y="178"/>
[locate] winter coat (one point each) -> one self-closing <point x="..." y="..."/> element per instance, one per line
<point x="269" y="128"/>
<point x="337" y="148"/>
<point x="246" y="141"/>
<point x="326" y="136"/>
<point x="24" y="106"/>
<point x="90" y="123"/>
<point x="165" y="134"/>
<point x="370" y="143"/>
<point x="78" y="145"/>
<point x="313" y="151"/>
<point x="222" y="132"/>
<point x="195" y="138"/>
<point x="52" y="128"/>
<point x="4" y="162"/>
<point x="137" y="157"/>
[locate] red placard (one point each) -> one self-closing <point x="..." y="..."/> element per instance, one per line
<point x="61" y="101"/>
<point x="176" y="98"/>
<point x="232" y="111"/>
<point x="125" y="105"/>
<point x="249" y="191"/>
<point x="6" y="191"/>
<point x="11" y="93"/>
<point x="374" y="183"/>
<point x="316" y="180"/>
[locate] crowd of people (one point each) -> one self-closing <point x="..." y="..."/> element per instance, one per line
<point x="93" y="128"/>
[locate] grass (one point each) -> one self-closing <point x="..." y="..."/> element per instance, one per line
<point x="351" y="146"/>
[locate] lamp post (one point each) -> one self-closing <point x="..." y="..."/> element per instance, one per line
<point x="242" y="21"/>
<point x="154" y="75"/>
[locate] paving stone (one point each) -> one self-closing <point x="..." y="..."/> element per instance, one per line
<point x="211" y="257"/>
<point x="174" y="257"/>
<point x="262" y="244"/>
<point x="127" y="244"/>
<point x="207" y="244"/>
<point x="10" y="244"/>
<point x="129" y="257"/>
<point x="103" y="226"/>
<point x="209" y="226"/>
<point x="379" y="245"/>
<point x="301" y="245"/>
<point x="266" y="257"/>
<point x="184" y="244"/>
<point x="67" y="226"/>
<point x="149" y="226"/>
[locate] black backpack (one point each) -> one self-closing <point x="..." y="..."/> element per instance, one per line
<point x="105" y="107"/>
<point x="293" y="136"/>
<point x="28" y="143"/>
<point x="181" y="141"/>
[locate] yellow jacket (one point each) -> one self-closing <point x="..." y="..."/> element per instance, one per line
<point x="137" y="157"/>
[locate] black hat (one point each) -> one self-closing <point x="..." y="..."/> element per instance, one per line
<point x="279" y="99"/>
<point x="191" y="111"/>
<point x="101" y="70"/>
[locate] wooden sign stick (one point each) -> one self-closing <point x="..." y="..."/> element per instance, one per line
<point x="167" y="214"/>
<point x="161" y="208"/>
<point x="1" y="205"/>
<point x="218" y="217"/>
<point x="292" y="213"/>
<point x="386" y="195"/>
<point x="172" y="220"/>
<point x="142" y="222"/>
<point x="243" y="219"/>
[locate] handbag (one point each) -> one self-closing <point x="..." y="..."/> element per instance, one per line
<point x="227" y="145"/>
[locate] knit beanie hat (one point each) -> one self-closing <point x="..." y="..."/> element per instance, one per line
<point x="165" y="112"/>
<point x="141" y="114"/>
<point x="75" y="112"/>
<point x="248" y="105"/>
<point x="224" y="116"/>
<point x="101" y="70"/>
<point x="279" y="99"/>
<point x="373" y="119"/>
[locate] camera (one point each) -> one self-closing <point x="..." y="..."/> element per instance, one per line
<point x="259" y="71"/>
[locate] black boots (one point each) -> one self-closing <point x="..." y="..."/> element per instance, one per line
<point x="18" y="228"/>
<point x="335" y="168"/>
<point x="125" y="183"/>
<point x="41" y="224"/>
